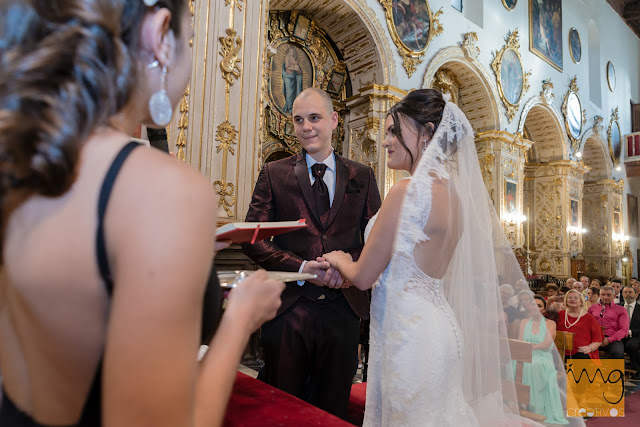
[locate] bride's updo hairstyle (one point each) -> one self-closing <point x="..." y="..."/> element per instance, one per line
<point x="421" y="107"/>
<point x="66" y="67"/>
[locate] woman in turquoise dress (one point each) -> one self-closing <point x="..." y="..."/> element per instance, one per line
<point x="541" y="374"/>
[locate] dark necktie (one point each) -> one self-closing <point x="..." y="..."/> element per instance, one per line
<point x="320" y="190"/>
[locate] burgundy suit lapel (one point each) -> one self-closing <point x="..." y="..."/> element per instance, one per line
<point x="342" y="173"/>
<point x="302" y="173"/>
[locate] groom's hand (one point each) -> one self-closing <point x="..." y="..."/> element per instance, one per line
<point x="332" y="277"/>
<point x="319" y="268"/>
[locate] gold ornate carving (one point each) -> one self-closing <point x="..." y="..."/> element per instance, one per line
<point x="238" y="3"/>
<point x="512" y="45"/>
<point x="546" y="93"/>
<point x="230" y="52"/>
<point x="411" y="58"/>
<point x="226" y="190"/>
<point x="469" y="46"/>
<point x="183" y="124"/>
<point x="573" y="117"/>
<point x="226" y="134"/>
<point x="447" y="83"/>
<point x="597" y="125"/>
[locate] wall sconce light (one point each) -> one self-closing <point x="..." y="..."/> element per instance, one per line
<point x="618" y="168"/>
<point x="579" y="154"/>
<point x="576" y="230"/>
<point x="625" y="259"/>
<point x="514" y="218"/>
<point x="620" y="237"/>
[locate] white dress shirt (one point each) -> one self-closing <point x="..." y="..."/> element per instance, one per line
<point x="633" y="306"/>
<point x="329" y="179"/>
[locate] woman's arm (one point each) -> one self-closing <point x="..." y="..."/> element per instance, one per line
<point x="548" y="339"/>
<point x="378" y="249"/>
<point x="160" y="239"/>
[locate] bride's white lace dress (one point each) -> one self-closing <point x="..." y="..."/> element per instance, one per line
<point x="415" y="372"/>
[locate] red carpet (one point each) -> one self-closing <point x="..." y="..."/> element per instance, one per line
<point x="355" y="411"/>
<point x="630" y="419"/>
<point x="254" y="403"/>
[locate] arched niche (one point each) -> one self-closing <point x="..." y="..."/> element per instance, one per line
<point x="477" y="95"/>
<point x="595" y="155"/>
<point x="541" y="123"/>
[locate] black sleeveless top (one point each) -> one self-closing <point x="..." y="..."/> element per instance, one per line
<point x="10" y="415"/>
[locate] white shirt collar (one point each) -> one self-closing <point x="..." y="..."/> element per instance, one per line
<point x="330" y="161"/>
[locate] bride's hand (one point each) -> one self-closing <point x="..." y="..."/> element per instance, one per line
<point x="337" y="257"/>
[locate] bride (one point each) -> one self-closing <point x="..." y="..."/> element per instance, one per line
<point x="435" y="255"/>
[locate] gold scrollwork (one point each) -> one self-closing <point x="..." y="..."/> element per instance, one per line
<point x="614" y="138"/>
<point x="227" y="198"/>
<point x="183" y="124"/>
<point x="512" y="94"/>
<point x="448" y="83"/>
<point x="230" y="52"/>
<point x="238" y="3"/>
<point x="469" y="45"/>
<point x="226" y="134"/>
<point x="574" y="116"/>
<point x="411" y="49"/>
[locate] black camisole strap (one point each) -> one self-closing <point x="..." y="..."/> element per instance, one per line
<point x="103" y="200"/>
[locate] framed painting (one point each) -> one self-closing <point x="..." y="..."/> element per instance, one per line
<point x="614" y="138"/>
<point x="301" y="29"/>
<point x="545" y="31"/>
<point x="335" y="82"/>
<point x="575" y="46"/>
<point x="292" y="71"/>
<point x="574" y="213"/>
<point x="411" y="26"/>
<point x="510" y="196"/>
<point x="632" y="215"/>
<point x="512" y="80"/>
<point x="509" y="4"/>
<point x="457" y="5"/>
<point x="611" y="76"/>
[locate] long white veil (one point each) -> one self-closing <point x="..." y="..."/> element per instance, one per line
<point x="473" y="269"/>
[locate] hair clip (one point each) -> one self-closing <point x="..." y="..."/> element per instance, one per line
<point x="150" y="2"/>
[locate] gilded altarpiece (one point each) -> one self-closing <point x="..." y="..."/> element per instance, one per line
<point x="602" y="249"/>
<point x="502" y="156"/>
<point x="367" y="115"/>
<point x="300" y="56"/>
<point x="550" y="189"/>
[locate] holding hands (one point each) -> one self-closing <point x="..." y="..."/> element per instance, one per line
<point x="332" y="261"/>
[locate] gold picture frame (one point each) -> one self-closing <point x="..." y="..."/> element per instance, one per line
<point x="611" y="76"/>
<point x="510" y="206"/>
<point x="545" y="31"/>
<point x="509" y="4"/>
<point x="575" y="45"/>
<point x="614" y="137"/>
<point x="511" y="78"/>
<point x="574" y="116"/>
<point x="411" y="48"/>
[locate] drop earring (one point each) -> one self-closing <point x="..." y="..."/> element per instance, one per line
<point x="425" y="146"/>
<point x="150" y="2"/>
<point x="159" y="103"/>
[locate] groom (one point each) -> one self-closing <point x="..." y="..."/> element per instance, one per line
<point x="311" y="346"/>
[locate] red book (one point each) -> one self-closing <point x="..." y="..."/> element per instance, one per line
<point x="242" y="232"/>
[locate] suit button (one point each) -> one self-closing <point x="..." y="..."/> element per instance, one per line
<point x="324" y="237"/>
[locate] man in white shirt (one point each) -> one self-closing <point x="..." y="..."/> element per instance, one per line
<point x="632" y="342"/>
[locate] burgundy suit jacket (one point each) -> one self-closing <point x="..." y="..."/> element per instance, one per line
<point x="283" y="193"/>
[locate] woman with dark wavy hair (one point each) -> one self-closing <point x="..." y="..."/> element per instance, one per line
<point x="106" y="245"/>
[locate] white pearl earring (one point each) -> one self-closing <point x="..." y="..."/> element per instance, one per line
<point x="159" y="103"/>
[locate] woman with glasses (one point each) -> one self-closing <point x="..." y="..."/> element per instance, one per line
<point x="575" y="318"/>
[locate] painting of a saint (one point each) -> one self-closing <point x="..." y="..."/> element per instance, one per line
<point x="411" y="20"/>
<point x="574" y="213"/>
<point x="302" y="27"/>
<point x="291" y="73"/>
<point x="511" y="75"/>
<point x="545" y="24"/>
<point x="575" y="47"/>
<point x="335" y="83"/>
<point x="510" y="197"/>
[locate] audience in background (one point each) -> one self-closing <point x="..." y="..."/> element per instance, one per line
<point x="592" y="295"/>
<point x="575" y="319"/>
<point x="585" y="282"/>
<point x="616" y="285"/>
<point x="595" y="283"/>
<point x="506" y="293"/>
<point x="632" y="341"/>
<point x="578" y="286"/>
<point x="563" y="290"/>
<point x="614" y="320"/>
<point x="551" y="289"/>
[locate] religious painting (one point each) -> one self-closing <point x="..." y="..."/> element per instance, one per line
<point x="614" y="138"/>
<point x="616" y="222"/>
<point x="509" y="4"/>
<point x="510" y="196"/>
<point x="545" y="31"/>
<point x="291" y="73"/>
<point x="412" y="22"/>
<point x="574" y="213"/>
<point x="301" y="30"/>
<point x="632" y="212"/>
<point x="511" y="76"/>
<point x="575" y="46"/>
<point x="335" y="82"/>
<point x="611" y="76"/>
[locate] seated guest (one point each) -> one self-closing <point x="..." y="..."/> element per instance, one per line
<point x="569" y="283"/>
<point x="632" y="342"/>
<point x="585" y="282"/>
<point x="563" y="290"/>
<point x="575" y="319"/>
<point x="542" y="307"/>
<point x="616" y="285"/>
<point x="592" y="296"/>
<point x="521" y="285"/>
<point x="552" y="290"/>
<point x="578" y="285"/>
<point x="556" y="303"/>
<point x="541" y="374"/>
<point x="636" y="285"/>
<point x="506" y="292"/>
<point x="614" y="320"/>
<point x="525" y="298"/>
<point x="595" y="283"/>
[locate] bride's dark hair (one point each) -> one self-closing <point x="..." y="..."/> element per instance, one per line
<point x="66" y="66"/>
<point x="421" y="106"/>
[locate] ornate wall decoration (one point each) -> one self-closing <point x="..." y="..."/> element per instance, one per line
<point x="447" y="83"/>
<point x="614" y="138"/>
<point x="469" y="45"/>
<point x="511" y="78"/>
<point x="183" y="122"/>
<point x="364" y="144"/>
<point x="302" y="57"/>
<point x="411" y="26"/>
<point x="597" y="125"/>
<point x="574" y="116"/>
<point x="546" y="94"/>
